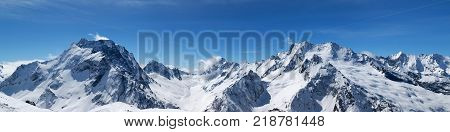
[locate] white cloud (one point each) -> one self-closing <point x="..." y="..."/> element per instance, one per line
<point x="171" y="66"/>
<point x="185" y="69"/>
<point x="51" y="56"/>
<point x="176" y="2"/>
<point x="98" y="37"/>
<point x="208" y="63"/>
<point x="21" y="3"/>
<point x="368" y="33"/>
<point x="119" y="3"/>
<point x="368" y="53"/>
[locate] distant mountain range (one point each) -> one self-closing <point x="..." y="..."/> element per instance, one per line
<point x="103" y="76"/>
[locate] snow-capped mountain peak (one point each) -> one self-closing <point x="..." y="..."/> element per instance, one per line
<point x="87" y="75"/>
<point x="159" y="68"/>
<point x="307" y="77"/>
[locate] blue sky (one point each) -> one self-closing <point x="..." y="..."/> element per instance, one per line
<point x="36" y="29"/>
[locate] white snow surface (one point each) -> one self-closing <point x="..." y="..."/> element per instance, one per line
<point x="122" y="107"/>
<point x="9" y="104"/>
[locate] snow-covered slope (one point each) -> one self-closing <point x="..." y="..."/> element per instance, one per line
<point x="122" y="107"/>
<point x="9" y="104"/>
<point x="169" y="73"/>
<point x="87" y="75"/>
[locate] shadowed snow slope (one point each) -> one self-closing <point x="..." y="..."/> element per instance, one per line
<point x="9" y="104"/>
<point x="122" y="107"/>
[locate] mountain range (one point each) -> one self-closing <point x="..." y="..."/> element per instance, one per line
<point x="103" y="76"/>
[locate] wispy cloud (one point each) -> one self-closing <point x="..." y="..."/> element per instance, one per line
<point x="145" y="2"/>
<point x="13" y="8"/>
<point x="227" y="1"/>
<point x="21" y="3"/>
<point x="37" y="3"/>
<point x="205" y="64"/>
<point x="368" y="53"/>
<point x="51" y="56"/>
<point x="177" y="2"/>
<point x="21" y="8"/>
<point x="98" y="37"/>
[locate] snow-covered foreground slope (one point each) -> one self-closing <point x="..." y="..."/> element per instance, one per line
<point x="102" y="76"/>
<point x="9" y="104"/>
<point x="122" y="107"/>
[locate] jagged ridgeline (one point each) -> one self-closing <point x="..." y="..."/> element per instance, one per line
<point x="307" y="77"/>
